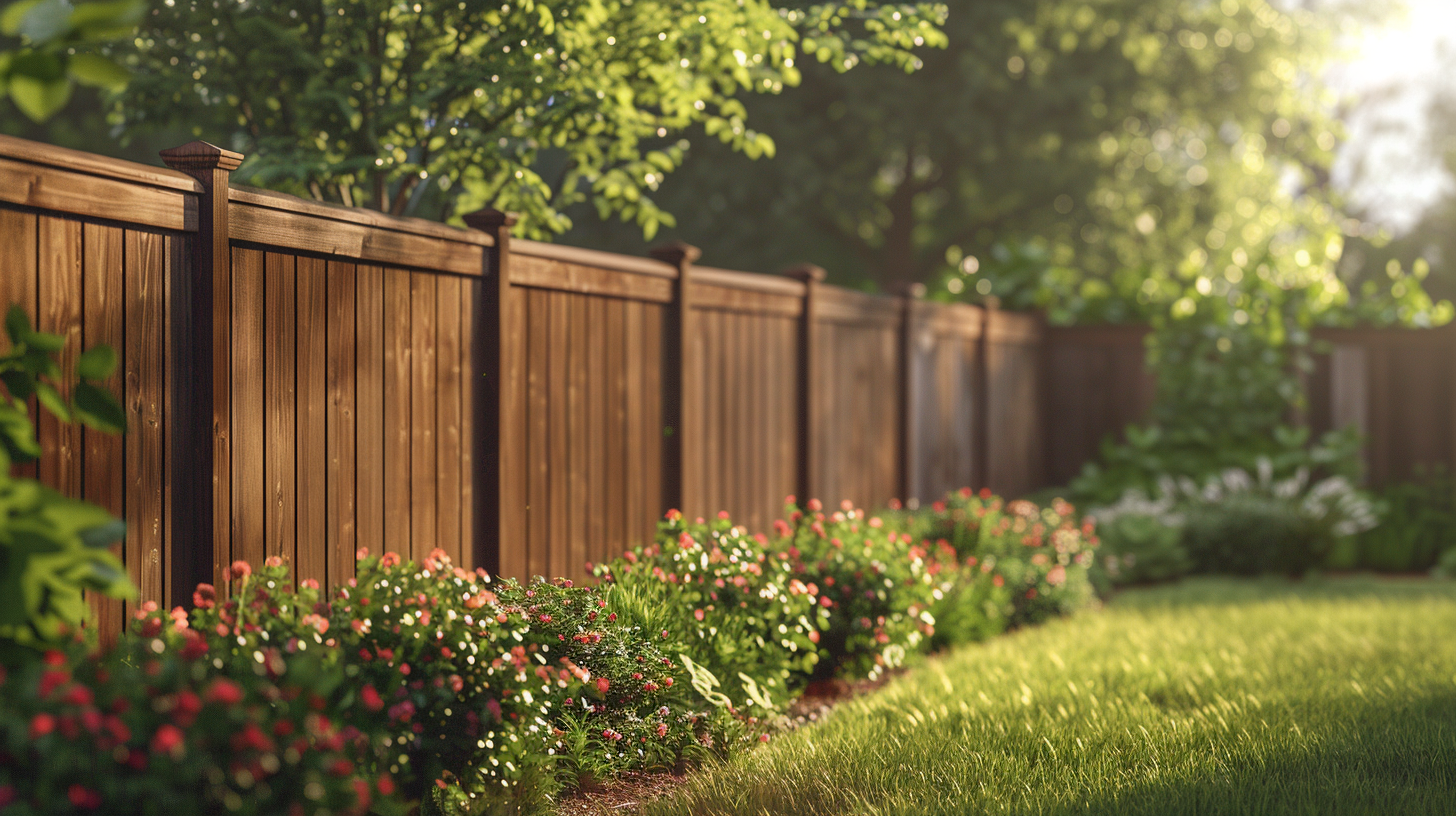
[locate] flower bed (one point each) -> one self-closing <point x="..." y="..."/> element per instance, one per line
<point x="465" y="693"/>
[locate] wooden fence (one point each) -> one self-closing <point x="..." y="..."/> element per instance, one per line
<point x="303" y="380"/>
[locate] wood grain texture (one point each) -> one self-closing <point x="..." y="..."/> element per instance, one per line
<point x="103" y="313"/>
<point x="625" y="452"/>
<point x="312" y="413"/>
<point x="558" y="497"/>
<point x="516" y="468"/>
<point x="280" y="437"/>
<point x="59" y="291"/>
<point x="543" y="273"/>
<point x="573" y="556"/>
<point x="369" y="337"/>
<point x="519" y="562"/>
<point x="449" y="385"/>
<point x="276" y="228"/>
<point x="397" y="498"/>
<point x="145" y="363"/>
<point x="424" y="490"/>
<point x="63" y="191"/>
<point x="342" y="427"/>
<point x="249" y="479"/>
<point x="599" y="415"/>
<point x="18" y="282"/>
<point x="22" y="150"/>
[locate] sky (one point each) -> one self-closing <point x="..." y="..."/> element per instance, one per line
<point x="1385" y="165"/>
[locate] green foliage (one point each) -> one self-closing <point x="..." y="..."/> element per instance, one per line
<point x="1140" y="547"/>
<point x="1417" y="525"/>
<point x="438" y="108"/>
<point x="731" y="603"/>
<point x="145" y="729"/>
<point x="49" y="46"/>
<point x="875" y="588"/>
<point x="52" y="548"/>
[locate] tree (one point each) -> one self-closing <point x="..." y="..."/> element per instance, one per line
<point x="54" y="45"/>
<point x="534" y="105"/>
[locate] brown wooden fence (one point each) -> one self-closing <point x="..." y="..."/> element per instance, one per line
<point x="304" y="380"/>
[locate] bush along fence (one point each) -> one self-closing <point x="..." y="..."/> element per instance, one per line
<point x="424" y="684"/>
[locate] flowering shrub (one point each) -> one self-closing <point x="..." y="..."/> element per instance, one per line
<point x="152" y="730"/>
<point x="729" y="603"/>
<point x="1040" y="555"/>
<point x="875" y="588"/>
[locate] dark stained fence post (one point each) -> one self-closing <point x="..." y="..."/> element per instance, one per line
<point x="499" y="445"/>
<point x="907" y="463"/>
<point x="199" y="404"/>
<point x="682" y="415"/>
<point x="981" y="432"/>
<point x="810" y="412"/>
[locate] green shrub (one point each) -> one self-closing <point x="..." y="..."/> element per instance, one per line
<point x="1039" y="555"/>
<point x="52" y="548"/>
<point x="1417" y="525"/>
<point x="730" y="604"/>
<point x="1142" y="542"/>
<point x="151" y="730"/>
<point x="875" y="587"/>
<point x="1250" y="534"/>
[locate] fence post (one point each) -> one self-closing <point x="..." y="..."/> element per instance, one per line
<point x="907" y="464"/>
<point x="981" y="427"/>
<point x="682" y="415"/>
<point x="199" y="393"/>
<point x="499" y="463"/>
<point x="810" y="404"/>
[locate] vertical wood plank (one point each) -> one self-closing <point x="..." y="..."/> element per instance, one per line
<point x="558" y="498"/>
<point x="634" y="423"/>
<point x="280" y="374"/>
<point x="59" y="313"/>
<point x="511" y="521"/>
<point x="516" y="562"/>
<point x="249" y="479"/>
<point x="624" y="449"/>
<point x="573" y="555"/>
<point x="340" y="371"/>
<point x="103" y="321"/>
<point x="398" y="500"/>
<point x="312" y="424"/>
<point x="710" y="338"/>
<point x="423" y="490"/>
<point x="599" y="414"/>
<point x="145" y="358"/>
<point x="449" y="384"/>
<point x="18" y="282"/>
<point x="369" y="439"/>
<point x="654" y="374"/>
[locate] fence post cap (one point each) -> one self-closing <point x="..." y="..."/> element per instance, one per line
<point x="490" y="219"/>
<point x="200" y="155"/>
<point x="807" y="272"/>
<point x="676" y="253"/>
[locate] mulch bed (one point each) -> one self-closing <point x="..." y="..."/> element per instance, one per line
<point x="627" y="793"/>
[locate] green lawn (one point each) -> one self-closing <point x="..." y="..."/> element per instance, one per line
<point x="1330" y="696"/>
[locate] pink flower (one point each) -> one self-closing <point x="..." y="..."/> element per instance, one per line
<point x="603" y="684"/>
<point x="390" y="560"/>
<point x="205" y="596"/>
<point x="698" y="613"/>
<point x="273" y="561"/>
<point x="240" y="569"/>
<point x="169" y="740"/>
<point x="41" y="724"/>
<point x="224" y="691"/>
<point x="308" y="583"/>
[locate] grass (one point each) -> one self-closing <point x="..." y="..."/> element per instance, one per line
<point x="1329" y="696"/>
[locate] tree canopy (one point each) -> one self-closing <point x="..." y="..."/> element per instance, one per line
<point x="440" y="106"/>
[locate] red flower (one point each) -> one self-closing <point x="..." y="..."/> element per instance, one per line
<point x="361" y="793"/>
<point x="224" y="691"/>
<point x="41" y="724"/>
<point x="371" y="698"/>
<point x="169" y="740"/>
<point x="341" y="767"/>
<point x="389" y="560"/>
<point x="78" y="696"/>
<point x="54" y="658"/>
<point x="83" y="797"/>
<point x="194" y="646"/>
<point x="240" y="569"/>
<point x="603" y="684"/>
<point x="273" y="561"/>
<point x="385" y="786"/>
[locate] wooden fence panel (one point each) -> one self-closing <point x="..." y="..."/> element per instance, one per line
<point x="944" y="389"/>
<point x="745" y="350"/>
<point x="1096" y="382"/>
<point x="857" y="374"/>
<point x="1014" y="411"/>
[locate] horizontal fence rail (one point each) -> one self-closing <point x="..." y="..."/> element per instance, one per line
<point x="303" y="380"/>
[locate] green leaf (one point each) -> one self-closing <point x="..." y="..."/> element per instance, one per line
<point x="45" y="341"/>
<point x="108" y="20"/>
<point x="97" y="363"/>
<point x="46" y="21"/>
<point x="98" y="409"/>
<point x="98" y="71"/>
<point x="17" y="324"/>
<point x="14" y="15"/>
<point x="39" y="99"/>
<point x="48" y="396"/>
<point x="104" y="535"/>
